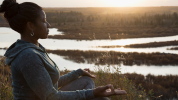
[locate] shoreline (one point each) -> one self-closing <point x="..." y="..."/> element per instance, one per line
<point x="145" y="45"/>
<point x="108" y="58"/>
<point x="86" y="34"/>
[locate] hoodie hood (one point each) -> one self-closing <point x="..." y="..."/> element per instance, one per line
<point x="17" y="47"/>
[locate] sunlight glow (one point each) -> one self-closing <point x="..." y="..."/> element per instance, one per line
<point x="122" y="3"/>
<point x="122" y="42"/>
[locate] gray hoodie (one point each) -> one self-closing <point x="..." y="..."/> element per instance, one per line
<point x="36" y="77"/>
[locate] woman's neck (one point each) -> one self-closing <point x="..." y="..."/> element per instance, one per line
<point x="30" y="39"/>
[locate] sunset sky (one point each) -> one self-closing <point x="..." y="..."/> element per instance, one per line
<point x="102" y="3"/>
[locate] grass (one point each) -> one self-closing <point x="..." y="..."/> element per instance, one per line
<point x="5" y="81"/>
<point x="108" y="75"/>
<point x="164" y="87"/>
<point x="104" y="76"/>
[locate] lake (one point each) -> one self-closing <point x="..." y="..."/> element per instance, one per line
<point x="8" y="36"/>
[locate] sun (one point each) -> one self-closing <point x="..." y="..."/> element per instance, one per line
<point x="121" y="3"/>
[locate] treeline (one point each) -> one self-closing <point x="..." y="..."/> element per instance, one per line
<point x="165" y="19"/>
<point x="112" y="57"/>
<point x="147" y="18"/>
<point x="146" y="45"/>
<point x="62" y="17"/>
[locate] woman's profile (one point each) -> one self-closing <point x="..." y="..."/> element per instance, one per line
<point x="35" y="75"/>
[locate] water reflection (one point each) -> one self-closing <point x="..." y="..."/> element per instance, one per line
<point x="7" y="39"/>
<point x="142" y="69"/>
<point x="54" y="31"/>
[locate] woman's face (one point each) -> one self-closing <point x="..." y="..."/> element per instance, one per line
<point x="41" y="27"/>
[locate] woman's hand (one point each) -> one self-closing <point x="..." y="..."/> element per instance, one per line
<point x="86" y="72"/>
<point x="108" y="90"/>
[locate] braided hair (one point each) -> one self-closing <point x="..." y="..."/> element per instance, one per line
<point x="17" y="15"/>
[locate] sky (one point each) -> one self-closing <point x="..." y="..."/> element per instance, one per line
<point x="102" y="3"/>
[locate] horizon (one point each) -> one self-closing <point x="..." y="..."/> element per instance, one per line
<point x="102" y="3"/>
<point x="112" y="7"/>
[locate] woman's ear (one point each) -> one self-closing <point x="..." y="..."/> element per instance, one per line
<point x="30" y="26"/>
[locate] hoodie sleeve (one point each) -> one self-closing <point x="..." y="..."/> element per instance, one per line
<point x="67" y="78"/>
<point x="39" y="80"/>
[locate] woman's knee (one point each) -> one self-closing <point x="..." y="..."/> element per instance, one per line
<point x="88" y="80"/>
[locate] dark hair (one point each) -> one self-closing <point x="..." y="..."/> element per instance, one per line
<point x="18" y="15"/>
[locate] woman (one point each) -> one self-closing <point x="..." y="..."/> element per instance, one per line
<point x="35" y="76"/>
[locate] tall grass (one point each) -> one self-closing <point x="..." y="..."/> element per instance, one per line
<point x="5" y="81"/>
<point x="112" y="75"/>
<point x="108" y="75"/>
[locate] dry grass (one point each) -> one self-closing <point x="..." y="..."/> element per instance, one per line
<point x="5" y="81"/>
<point x="118" y="80"/>
<point x="104" y="76"/>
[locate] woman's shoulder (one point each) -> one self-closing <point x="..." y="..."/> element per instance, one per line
<point x="26" y="57"/>
<point x="29" y="53"/>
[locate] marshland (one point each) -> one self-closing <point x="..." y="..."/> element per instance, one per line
<point x="132" y="48"/>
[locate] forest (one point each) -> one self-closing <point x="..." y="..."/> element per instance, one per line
<point x="116" y="25"/>
<point x="111" y="23"/>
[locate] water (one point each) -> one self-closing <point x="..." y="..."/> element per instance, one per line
<point x="8" y="36"/>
